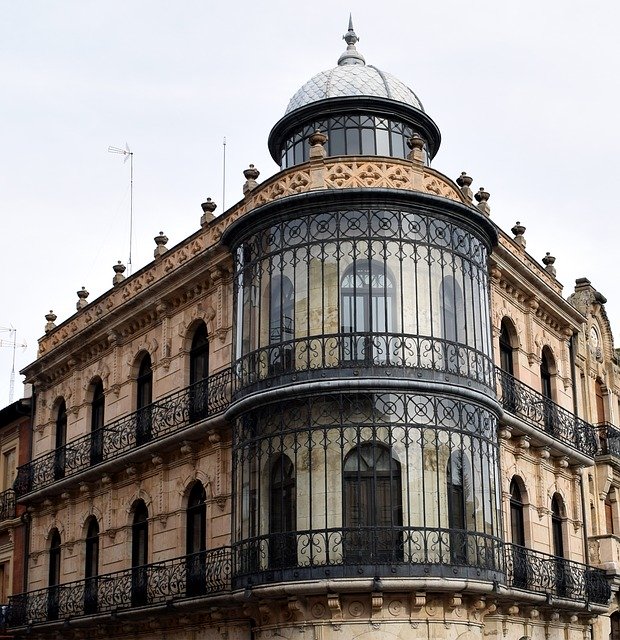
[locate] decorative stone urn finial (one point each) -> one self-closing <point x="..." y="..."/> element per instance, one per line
<point x="416" y="144"/>
<point x="317" y="144"/>
<point x="548" y="261"/>
<point x="464" y="181"/>
<point x="50" y="317"/>
<point x="208" y="208"/>
<point x="82" y="294"/>
<point x="251" y="173"/>
<point x="482" y="198"/>
<point x="119" y="269"/>
<point x="161" y="247"/>
<point x="518" y="230"/>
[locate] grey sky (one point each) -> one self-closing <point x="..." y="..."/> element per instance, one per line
<point x="525" y="94"/>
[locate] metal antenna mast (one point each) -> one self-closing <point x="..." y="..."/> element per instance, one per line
<point x="13" y="345"/>
<point x="128" y="156"/>
<point x="224" y="178"/>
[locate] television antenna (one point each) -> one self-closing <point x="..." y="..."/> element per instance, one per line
<point x="128" y="153"/>
<point x="11" y="343"/>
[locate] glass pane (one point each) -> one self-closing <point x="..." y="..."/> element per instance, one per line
<point x="336" y="143"/>
<point x="383" y="142"/>
<point x="353" y="142"/>
<point x="368" y="142"/>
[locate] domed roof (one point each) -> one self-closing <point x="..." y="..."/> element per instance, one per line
<point x="353" y="77"/>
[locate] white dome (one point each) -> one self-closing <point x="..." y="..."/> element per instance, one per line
<point x="357" y="79"/>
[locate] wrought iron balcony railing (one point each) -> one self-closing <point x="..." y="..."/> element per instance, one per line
<point x="200" y="574"/>
<point x="609" y="439"/>
<point x="383" y="551"/>
<point x="544" y="573"/>
<point x="201" y="400"/>
<point x="541" y="412"/>
<point x="7" y="505"/>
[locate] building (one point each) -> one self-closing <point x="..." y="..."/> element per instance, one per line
<point x="348" y="407"/>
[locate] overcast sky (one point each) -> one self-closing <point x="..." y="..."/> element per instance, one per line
<point x="526" y="96"/>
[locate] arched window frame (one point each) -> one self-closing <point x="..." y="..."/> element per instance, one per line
<point x="282" y="513"/>
<point x="60" y="440"/>
<point x="367" y="311"/>
<point x="196" y="540"/>
<point x="53" y="593"/>
<point x="144" y="399"/>
<point x="97" y="419"/>
<point x="372" y="504"/>
<point x="506" y="347"/>
<point x="557" y="525"/>
<point x="199" y="374"/>
<point x="91" y="565"/>
<point x="517" y="520"/>
<point x="139" y="553"/>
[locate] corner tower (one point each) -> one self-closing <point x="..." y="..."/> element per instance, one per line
<point x="365" y="455"/>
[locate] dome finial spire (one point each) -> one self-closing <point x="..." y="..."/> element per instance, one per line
<point x="351" y="55"/>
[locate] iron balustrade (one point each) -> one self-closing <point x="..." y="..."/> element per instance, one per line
<point x="7" y="505"/>
<point x="341" y="552"/>
<point x="548" y="574"/>
<point x="357" y="349"/>
<point x="387" y="552"/>
<point x="201" y="400"/>
<point x="200" y="574"/>
<point x="609" y="439"/>
<point x="538" y="410"/>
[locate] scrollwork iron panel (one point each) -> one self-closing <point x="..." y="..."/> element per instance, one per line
<point x="543" y="573"/>
<point x="7" y="504"/>
<point x="164" y="581"/>
<point x="538" y="410"/>
<point x="201" y="400"/>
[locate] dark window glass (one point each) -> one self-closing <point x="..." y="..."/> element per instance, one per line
<point x="281" y="323"/>
<point x="139" y="554"/>
<point x="336" y="143"/>
<point x="60" y="441"/>
<point x="353" y="141"/>
<point x="545" y="376"/>
<point x="96" y="424"/>
<point x="556" y="525"/>
<point x="459" y="486"/>
<point x="145" y="398"/>
<point x="199" y="374"/>
<point x="516" y="515"/>
<point x="91" y="569"/>
<point x="196" y="540"/>
<point x="505" y="350"/>
<point x="53" y="593"/>
<point x="372" y="496"/>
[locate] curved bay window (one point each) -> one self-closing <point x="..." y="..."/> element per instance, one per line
<point x="199" y="374"/>
<point x="196" y="541"/>
<point x="282" y="514"/>
<point x="517" y="531"/>
<point x="60" y="441"/>
<point x="367" y="308"/>
<point x="139" y="554"/>
<point x="372" y="505"/>
<point x="144" y="396"/>
<point x="331" y="483"/>
<point x="96" y="423"/>
<point x="91" y="568"/>
<point x="351" y="135"/>
<point x="53" y="593"/>
<point x="368" y="287"/>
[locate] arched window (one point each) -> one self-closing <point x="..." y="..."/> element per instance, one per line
<point x="281" y="323"/>
<point x="139" y="554"/>
<point x="144" y="400"/>
<point x="96" y="423"/>
<point x="91" y="568"/>
<point x="557" y="534"/>
<point x="546" y="367"/>
<point x="367" y="296"/>
<point x="60" y="441"/>
<point x="459" y="481"/>
<point x="196" y="542"/>
<point x="452" y="309"/>
<point x="609" y="512"/>
<point x="517" y="529"/>
<point x="54" y="576"/>
<point x="282" y="514"/>
<point x="373" y="513"/>
<point x="505" y="349"/>
<point x="600" y="402"/>
<point x="199" y="374"/>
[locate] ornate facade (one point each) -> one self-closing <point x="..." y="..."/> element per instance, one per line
<point x="348" y="407"/>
